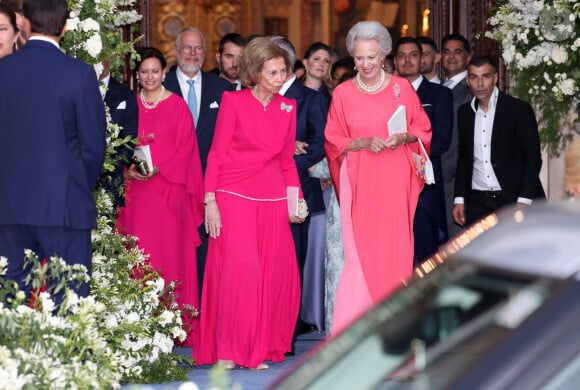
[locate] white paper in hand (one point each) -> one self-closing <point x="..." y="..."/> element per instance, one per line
<point x="143" y="152"/>
<point x="398" y="121"/>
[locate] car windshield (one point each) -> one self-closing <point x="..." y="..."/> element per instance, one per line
<point x="465" y="305"/>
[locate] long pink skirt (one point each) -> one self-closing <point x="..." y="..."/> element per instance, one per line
<point x="251" y="287"/>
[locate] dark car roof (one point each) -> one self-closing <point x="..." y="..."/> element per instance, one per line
<point x="527" y="236"/>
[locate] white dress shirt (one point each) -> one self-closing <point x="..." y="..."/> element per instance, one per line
<point x="182" y="80"/>
<point x="417" y="83"/>
<point x="435" y="80"/>
<point x="453" y="81"/>
<point x="483" y="178"/>
<point x="45" y="39"/>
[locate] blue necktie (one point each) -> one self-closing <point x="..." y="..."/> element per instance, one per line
<point x="192" y="101"/>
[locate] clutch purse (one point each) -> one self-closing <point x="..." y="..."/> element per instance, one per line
<point x="140" y="165"/>
<point x="423" y="166"/>
<point x="296" y="206"/>
<point x="302" y="209"/>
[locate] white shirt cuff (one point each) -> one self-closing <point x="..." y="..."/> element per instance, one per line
<point x="459" y="200"/>
<point x="525" y="201"/>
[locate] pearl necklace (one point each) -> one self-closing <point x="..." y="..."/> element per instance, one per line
<point x="155" y="102"/>
<point x="372" y="88"/>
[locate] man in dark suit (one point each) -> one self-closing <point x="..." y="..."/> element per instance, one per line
<point x="499" y="148"/>
<point x="52" y="147"/>
<point x="122" y="104"/>
<point x="455" y="55"/>
<point x="203" y="93"/>
<point x="430" y="223"/>
<point x="311" y="112"/>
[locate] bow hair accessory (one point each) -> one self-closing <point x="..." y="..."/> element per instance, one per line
<point x="287" y="107"/>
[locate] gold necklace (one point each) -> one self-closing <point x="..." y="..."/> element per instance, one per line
<point x="155" y="102"/>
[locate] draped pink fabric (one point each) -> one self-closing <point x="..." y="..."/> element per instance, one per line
<point x="251" y="288"/>
<point x="383" y="189"/>
<point x="165" y="211"/>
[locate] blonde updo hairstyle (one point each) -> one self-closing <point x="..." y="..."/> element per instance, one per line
<point x="572" y="162"/>
<point x="369" y="30"/>
<point x="255" y="54"/>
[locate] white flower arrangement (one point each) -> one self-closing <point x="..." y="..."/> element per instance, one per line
<point x="540" y="41"/>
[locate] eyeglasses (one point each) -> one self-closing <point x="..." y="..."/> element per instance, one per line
<point x="188" y="49"/>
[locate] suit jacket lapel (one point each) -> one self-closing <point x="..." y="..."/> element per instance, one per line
<point x="204" y="103"/>
<point x="500" y="112"/>
<point x="111" y="97"/>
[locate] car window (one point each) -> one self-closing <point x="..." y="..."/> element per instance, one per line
<point x="410" y="328"/>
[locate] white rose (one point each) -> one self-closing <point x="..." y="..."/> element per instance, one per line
<point x="110" y="321"/>
<point x="165" y="318"/>
<point x="90" y="25"/>
<point x="72" y="24"/>
<point x="567" y="87"/>
<point x="538" y="5"/>
<point x="132" y="317"/>
<point x="509" y="54"/>
<point x="93" y="45"/>
<point x="559" y="54"/>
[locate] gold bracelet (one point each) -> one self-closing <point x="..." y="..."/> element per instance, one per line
<point x="404" y="138"/>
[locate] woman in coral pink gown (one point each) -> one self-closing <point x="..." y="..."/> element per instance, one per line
<point x="374" y="174"/>
<point x="165" y="208"/>
<point x="251" y="287"/>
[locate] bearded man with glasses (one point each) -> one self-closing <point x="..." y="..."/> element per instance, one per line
<point x="203" y="93"/>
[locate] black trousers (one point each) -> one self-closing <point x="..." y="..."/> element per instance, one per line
<point x="482" y="203"/>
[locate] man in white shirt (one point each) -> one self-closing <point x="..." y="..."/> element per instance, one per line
<point x="499" y="149"/>
<point x="230" y="49"/>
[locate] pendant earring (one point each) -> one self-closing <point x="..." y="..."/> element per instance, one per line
<point x="163" y="79"/>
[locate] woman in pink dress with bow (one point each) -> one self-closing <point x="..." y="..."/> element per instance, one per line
<point x="251" y="287"/>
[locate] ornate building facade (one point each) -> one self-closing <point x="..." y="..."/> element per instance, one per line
<point x="307" y="21"/>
